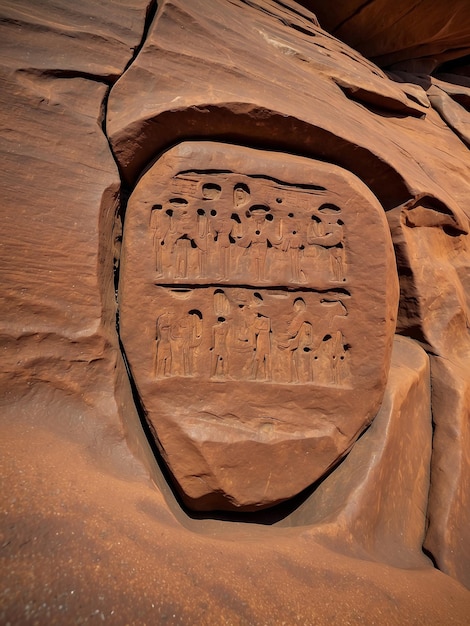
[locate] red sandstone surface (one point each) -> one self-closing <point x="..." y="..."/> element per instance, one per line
<point x="91" y="96"/>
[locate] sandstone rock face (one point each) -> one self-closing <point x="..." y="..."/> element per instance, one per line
<point x="60" y="196"/>
<point x="261" y="343"/>
<point x="435" y="307"/>
<point x="105" y="540"/>
<point x="94" y="98"/>
<point x="400" y="440"/>
<point x="289" y="95"/>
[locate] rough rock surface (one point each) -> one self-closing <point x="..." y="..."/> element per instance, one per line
<point x="438" y="294"/>
<point x="109" y="547"/>
<point x="291" y="97"/>
<point x="395" y="452"/>
<point x="254" y="370"/>
<point x="86" y="533"/>
<point x="60" y="189"/>
<point x="410" y="32"/>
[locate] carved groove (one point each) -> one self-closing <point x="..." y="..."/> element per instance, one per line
<point x="195" y="238"/>
<point x="234" y="333"/>
<point x="222" y="242"/>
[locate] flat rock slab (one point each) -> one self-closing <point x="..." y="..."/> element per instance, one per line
<point x="257" y="329"/>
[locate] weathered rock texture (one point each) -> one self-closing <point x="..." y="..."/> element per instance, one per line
<point x="107" y="548"/>
<point x="291" y="97"/>
<point x="437" y="293"/>
<point x="90" y="528"/>
<point x="60" y="191"/>
<point x="410" y="32"/>
<point x="261" y="344"/>
<point x="395" y="452"/>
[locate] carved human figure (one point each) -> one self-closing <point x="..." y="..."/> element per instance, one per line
<point x="257" y="239"/>
<point x="185" y="335"/>
<point x="329" y="234"/>
<point x="220" y="350"/>
<point x="293" y="243"/>
<point x="337" y="256"/>
<point x="159" y="223"/>
<point x="183" y="234"/>
<point x="316" y="252"/>
<point x="243" y="338"/>
<point x="221" y="228"/>
<point x="163" y="359"/>
<point x="337" y="357"/>
<point x="243" y="329"/>
<point x="321" y="362"/>
<point x="262" y="353"/>
<point x="179" y="240"/>
<point x="203" y="241"/>
<point x="298" y="343"/>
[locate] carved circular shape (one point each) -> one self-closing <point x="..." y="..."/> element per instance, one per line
<point x="258" y="298"/>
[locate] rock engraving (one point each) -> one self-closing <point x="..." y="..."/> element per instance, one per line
<point x="251" y="334"/>
<point x="243" y="229"/>
<point x="250" y="318"/>
<point x="231" y="229"/>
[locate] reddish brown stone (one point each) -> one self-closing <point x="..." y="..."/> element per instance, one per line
<point x="394" y="453"/>
<point x="428" y="33"/>
<point x="60" y="197"/>
<point x="435" y="259"/>
<point x="289" y="96"/>
<point x="82" y="539"/>
<point x="86" y="534"/>
<point x="451" y="111"/>
<point x="414" y="162"/>
<point x="448" y="536"/>
<point x="261" y="343"/>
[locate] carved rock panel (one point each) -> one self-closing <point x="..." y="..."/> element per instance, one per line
<point x="256" y="328"/>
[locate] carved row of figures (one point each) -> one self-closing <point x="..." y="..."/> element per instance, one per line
<point x="241" y="343"/>
<point x="193" y="241"/>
